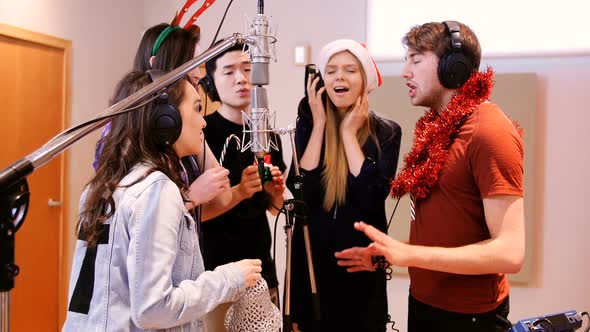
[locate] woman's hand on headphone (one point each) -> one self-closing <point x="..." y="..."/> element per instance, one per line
<point x="315" y="101"/>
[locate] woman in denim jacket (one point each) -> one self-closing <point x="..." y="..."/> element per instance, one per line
<point x="137" y="264"/>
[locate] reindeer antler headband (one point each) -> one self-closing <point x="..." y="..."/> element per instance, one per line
<point x="176" y="22"/>
<point x="193" y="18"/>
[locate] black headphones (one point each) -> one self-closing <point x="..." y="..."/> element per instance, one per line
<point x="454" y="67"/>
<point x="208" y="85"/>
<point x="165" y="121"/>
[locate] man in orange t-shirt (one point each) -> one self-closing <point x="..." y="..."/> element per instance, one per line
<point x="464" y="175"/>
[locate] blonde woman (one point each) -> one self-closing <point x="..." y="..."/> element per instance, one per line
<point x="348" y="156"/>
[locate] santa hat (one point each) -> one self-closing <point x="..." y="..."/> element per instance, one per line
<point x="360" y="51"/>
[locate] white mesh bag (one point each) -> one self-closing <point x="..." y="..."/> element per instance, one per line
<point x="254" y="311"/>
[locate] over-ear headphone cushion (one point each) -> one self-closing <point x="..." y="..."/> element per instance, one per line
<point x="454" y="69"/>
<point x="166" y="124"/>
<point x="209" y="85"/>
<point x="165" y="121"/>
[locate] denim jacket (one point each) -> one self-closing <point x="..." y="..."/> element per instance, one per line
<point x="146" y="273"/>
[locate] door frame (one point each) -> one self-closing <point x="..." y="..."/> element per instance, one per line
<point x="64" y="220"/>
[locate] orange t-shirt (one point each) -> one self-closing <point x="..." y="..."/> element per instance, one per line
<point x="485" y="159"/>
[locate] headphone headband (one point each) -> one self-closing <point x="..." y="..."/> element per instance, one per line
<point x="454" y="68"/>
<point x="454" y="30"/>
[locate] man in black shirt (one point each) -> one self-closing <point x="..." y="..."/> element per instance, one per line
<point x="241" y="229"/>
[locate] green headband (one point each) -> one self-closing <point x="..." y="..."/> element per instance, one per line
<point x="163" y="35"/>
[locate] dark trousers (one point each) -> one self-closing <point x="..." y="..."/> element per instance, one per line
<point x="423" y="318"/>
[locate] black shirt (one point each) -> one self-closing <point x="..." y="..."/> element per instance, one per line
<point x="348" y="301"/>
<point x="242" y="232"/>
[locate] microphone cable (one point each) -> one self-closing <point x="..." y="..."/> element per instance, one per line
<point x="274" y="236"/>
<point x="283" y="210"/>
<point x="280" y="210"/>
<point x="392" y="213"/>
<point x="221" y="23"/>
<point x="200" y="206"/>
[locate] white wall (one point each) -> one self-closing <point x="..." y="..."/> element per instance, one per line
<point x="104" y="37"/>
<point x="563" y="175"/>
<point x="388" y="20"/>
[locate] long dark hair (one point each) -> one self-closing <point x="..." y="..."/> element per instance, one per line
<point x="128" y="143"/>
<point x="177" y="49"/>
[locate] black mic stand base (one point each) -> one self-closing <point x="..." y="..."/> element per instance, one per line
<point x="295" y="209"/>
<point x="287" y="325"/>
<point x="14" y="204"/>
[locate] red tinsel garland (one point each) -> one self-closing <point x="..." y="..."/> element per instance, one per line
<point x="434" y="134"/>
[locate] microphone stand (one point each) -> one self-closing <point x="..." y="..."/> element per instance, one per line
<point x="14" y="189"/>
<point x="296" y="209"/>
<point x="260" y="57"/>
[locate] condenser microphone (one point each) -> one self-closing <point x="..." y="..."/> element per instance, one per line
<point x="259" y="121"/>
<point x="259" y="46"/>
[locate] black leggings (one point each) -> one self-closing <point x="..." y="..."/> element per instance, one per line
<point x="423" y="318"/>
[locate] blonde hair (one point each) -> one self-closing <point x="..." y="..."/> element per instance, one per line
<point x="335" y="173"/>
